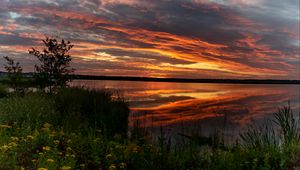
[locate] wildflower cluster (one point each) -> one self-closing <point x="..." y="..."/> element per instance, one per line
<point x="44" y="146"/>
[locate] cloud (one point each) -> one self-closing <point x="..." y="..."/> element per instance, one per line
<point x="196" y="39"/>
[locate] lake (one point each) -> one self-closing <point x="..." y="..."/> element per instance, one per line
<point x="204" y="107"/>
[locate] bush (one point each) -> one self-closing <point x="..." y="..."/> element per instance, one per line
<point x="100" y="109"/>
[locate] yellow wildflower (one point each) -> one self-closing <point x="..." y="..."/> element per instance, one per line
<point x="30" y="137"/>
<point x="42" y="169"/>
<point x="45" y="129"/>
<point x="61" y="132"/>
<point x="112" y="167"/>
<point x="46" y="148"/>
<point x="5" y="126"/>
<point x="122" y="165"/>
<point x="14" y="138"/>
<point x="65" y="168"/>
<point x="4" y="147"/>
<point x="135" y="149"/>
<point x="108" y="156"/>
<point x="50" y="160"/>
<point x="97" y="139"/>
<point x="12" y="144"/>
<point x="22" y="168"/>
<point x="56" y="142"/>
<point x="47" y="125"/>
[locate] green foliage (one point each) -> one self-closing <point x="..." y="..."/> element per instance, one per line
<point x="28" y="111"/>
<point x="55" y="64"/>
<point x="32" y="149"/>
<point x="99" y="108"/>
<point x="3" y="91"/>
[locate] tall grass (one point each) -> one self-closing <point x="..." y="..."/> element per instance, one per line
<point x="100" y="109"/>
<point x="3" y="90"/>
<point x="31" y="110"/>
<point x="286" y="130"/>
<point x="288" y="123"/>
<point x="259" y="137"/>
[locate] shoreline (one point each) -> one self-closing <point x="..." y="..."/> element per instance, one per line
<point x="171" y="80"/>
<point x="182" y="80"/>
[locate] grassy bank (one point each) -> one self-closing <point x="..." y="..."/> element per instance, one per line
<point x="78" y="128"/>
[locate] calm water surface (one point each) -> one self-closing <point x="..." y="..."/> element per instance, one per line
<point x="187" y="106"/>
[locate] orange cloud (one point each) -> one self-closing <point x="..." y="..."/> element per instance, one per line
<point x="3" y="31"/>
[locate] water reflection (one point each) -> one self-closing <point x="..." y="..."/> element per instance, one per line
<point x="210" y="106"/>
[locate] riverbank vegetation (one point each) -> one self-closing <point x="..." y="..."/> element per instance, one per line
<point x="78" y="128"/>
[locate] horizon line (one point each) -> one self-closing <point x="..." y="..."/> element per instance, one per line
<point x="179" y="80"/>
<point x="184" y="80"/>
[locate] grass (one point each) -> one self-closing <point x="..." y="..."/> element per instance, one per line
<point x="3" y="91"/>
<point x="79" y="128"/>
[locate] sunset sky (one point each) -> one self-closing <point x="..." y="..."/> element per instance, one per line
<point x="160" y="38"/>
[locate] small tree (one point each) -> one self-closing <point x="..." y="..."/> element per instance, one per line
<point x="14" y="71"/>
<point x="55" y="61"/>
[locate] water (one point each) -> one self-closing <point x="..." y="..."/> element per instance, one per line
<point x="201" y="107"/>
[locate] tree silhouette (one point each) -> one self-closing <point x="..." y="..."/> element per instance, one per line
<point x="54" y="67"/>
<point x="14" y="71"/>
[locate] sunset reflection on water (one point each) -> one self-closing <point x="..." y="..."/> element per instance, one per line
<point x="210" y="106"/>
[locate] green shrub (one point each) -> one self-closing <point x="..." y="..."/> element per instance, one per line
<point x="100" y="109"/>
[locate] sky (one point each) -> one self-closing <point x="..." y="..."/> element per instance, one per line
<point x="160" y="38"/>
